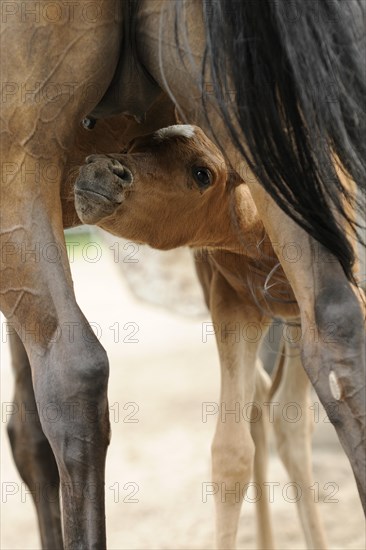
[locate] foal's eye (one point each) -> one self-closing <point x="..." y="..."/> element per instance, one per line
<point x="203" y="177"/>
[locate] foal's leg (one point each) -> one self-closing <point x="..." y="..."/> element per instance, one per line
<point x="259" y="431"/>
<point x="294" y="442"/>
<point x="69" y="366"/>
<point x="32" y="452"/>
<point x="233" y="447"/>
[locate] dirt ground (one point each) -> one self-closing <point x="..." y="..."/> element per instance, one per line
<point x="161" y="374"/>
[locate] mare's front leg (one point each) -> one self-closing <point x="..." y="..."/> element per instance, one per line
<point x="32" y="453"/>
<point x="66" y="65"/>
<point x="333" y="329"/>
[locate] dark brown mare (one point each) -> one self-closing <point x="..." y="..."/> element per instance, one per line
<point x="62" y="61"/>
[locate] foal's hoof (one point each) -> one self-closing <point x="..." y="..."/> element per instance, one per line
<point x="100" y="188"/>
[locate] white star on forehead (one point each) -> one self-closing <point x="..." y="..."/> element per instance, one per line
<point x="178" y="130"/>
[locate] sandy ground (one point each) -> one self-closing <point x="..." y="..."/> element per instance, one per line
<point x="157" y="465"/>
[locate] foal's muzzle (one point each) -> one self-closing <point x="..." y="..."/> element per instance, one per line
<point x="101" y="187"/>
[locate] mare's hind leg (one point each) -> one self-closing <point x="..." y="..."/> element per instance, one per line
<point x="333" y="330"/>
<point x="32" y="452"/>
<point x="294" y="442"/>
<point x="66" y="66"/>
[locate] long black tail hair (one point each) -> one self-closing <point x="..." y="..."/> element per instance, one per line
<point x="297" y="72"/>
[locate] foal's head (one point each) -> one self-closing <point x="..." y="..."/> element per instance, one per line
<point x="167" y="189"/>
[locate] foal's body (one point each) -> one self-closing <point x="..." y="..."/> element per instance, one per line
<point x="155" y="194"/>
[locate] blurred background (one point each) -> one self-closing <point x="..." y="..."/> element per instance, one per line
<point x="147" y="310"/>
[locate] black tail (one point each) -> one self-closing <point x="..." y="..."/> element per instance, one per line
<point x="297" y="70"/>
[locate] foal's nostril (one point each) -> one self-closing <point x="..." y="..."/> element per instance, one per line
<point x="123" y="173"/>
<point x="118" y="169"/>
<point x="91" y="158"/>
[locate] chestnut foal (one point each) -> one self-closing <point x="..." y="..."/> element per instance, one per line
<point x="173" y="188"/>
